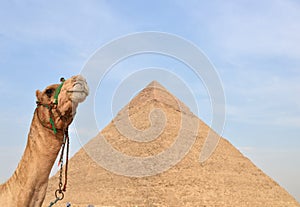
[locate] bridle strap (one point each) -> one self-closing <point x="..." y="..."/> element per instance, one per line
<point x="57" y="91"/>
<point x="51" y="106"/>
<point x="51" y="119"/>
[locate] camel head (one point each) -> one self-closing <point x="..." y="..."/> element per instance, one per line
<point x="58" y="102"/>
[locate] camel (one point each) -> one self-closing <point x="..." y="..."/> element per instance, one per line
<point x="56" y="108"/>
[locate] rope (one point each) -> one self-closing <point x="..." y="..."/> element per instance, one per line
<point x="54" y="202"/>
<point x="67" y="159"/>
<point x="59" y="192"/>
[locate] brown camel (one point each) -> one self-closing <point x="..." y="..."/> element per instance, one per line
<point x="56" y="104"/>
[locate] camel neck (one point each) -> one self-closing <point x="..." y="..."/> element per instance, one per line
<point x="35" y="166"/>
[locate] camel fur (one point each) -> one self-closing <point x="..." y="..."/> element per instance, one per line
<point x="27" y="186"/>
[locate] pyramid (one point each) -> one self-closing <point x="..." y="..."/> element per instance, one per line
<point x="153" y="160"/>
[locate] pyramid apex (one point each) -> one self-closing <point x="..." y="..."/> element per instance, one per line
<point x="155" y="84"/>
<point x="155" y="93"/>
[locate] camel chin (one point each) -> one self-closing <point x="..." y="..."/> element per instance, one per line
<point x="78" y="96"/>
<point x="79" y="90"/>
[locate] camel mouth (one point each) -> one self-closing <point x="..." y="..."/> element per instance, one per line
<point x="76" y="91"/>
<point x="79" y="91"/>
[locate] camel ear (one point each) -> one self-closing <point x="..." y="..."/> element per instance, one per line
<point x="38" y="94"/>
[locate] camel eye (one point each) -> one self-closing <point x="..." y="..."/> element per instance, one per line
<point x="49" y="92"/>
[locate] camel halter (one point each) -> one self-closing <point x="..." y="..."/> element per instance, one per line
<point x="51" y="106"/>
<point x="59" y="195"/>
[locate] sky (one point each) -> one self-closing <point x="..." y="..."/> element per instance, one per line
<point x="253" y="45"/>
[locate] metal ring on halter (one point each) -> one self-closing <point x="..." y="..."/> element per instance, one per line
<point x="59" y="194"/>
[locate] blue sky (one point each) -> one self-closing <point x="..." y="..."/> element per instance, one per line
<point x="254" y="46"/>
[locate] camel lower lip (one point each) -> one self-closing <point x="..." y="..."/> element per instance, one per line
<point x="77" y="92"/>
